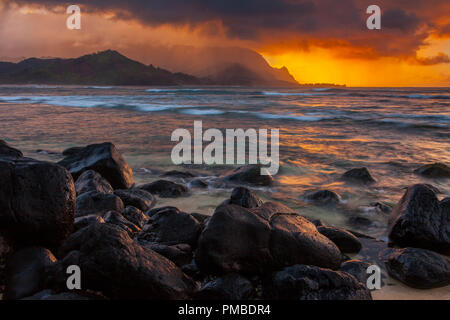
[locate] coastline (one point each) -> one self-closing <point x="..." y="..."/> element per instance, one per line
<point x="371" y="248"/>
<point x="319" y="144"/>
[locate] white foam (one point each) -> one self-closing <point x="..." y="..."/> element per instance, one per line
<point x="93" y="101"/>
<point x="201" y="112"/>
<point x="98" y="87"/>
<point x="290" y="117"/>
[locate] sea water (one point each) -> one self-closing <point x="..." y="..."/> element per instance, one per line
<point x="323" y="132"/>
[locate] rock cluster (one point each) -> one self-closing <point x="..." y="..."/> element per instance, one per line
<point x="420" y="226"/>
<point x="127" y="249"/>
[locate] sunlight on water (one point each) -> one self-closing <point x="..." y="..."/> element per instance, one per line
<point x="389" y="131"/>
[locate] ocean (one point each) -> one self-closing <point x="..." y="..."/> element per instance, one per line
<point x="323" y="133"/>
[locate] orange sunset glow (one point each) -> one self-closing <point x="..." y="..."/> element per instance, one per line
<point x="323" y="42"/>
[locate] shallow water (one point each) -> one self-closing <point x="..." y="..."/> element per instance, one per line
<point x="323" y="133"/>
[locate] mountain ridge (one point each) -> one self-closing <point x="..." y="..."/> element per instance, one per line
<point x="106" y="67"/>
<point x="110" y="67"/>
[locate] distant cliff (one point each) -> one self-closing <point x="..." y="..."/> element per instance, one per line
<point x="215" y="62"/>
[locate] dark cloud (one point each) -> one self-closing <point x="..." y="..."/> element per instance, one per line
<point x="399" y="19"/>
<point x="241" y="17"/>
<point x="250" y="16"/>
<point x="443" y="31"/>
<point x="440" y="58"/>
<point x="269" y="20"/>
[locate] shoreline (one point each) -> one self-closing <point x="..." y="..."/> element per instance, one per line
<point x="172" y="189"/>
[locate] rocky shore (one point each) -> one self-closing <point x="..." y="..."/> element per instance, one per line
<point x="87" y="211"/>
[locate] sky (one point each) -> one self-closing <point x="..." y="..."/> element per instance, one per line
<point x="319" y="41"/>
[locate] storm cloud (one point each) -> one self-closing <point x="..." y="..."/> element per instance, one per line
<point x="251" y="18"/>
<point x="406" y="24"/>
